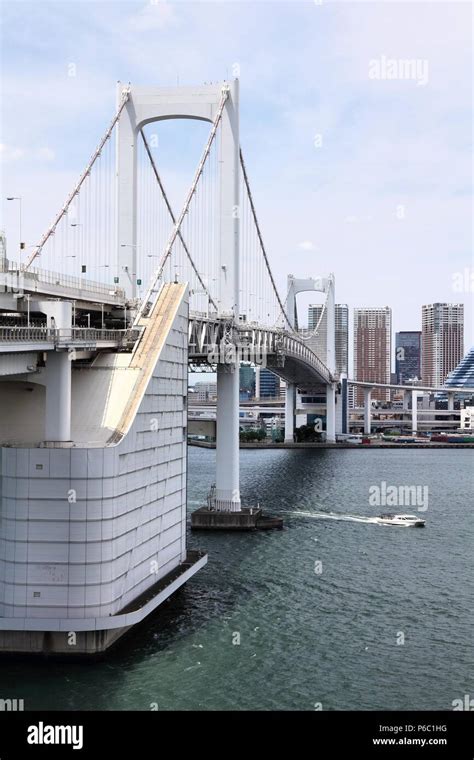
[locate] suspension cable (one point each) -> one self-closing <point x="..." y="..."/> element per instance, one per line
<point x="83" y="177"/>
<point x="173" y="218"/>
<point x="157" y="276"/>
<point x="260" y="239"/>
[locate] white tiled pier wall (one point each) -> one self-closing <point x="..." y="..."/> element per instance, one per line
<point x="83" y="532"/>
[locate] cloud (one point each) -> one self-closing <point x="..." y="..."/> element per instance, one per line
<point x="155" y="15"/>
<point x="307" y="245"/>
<point x="45" y="154"/>
<point x="10" y="153"/>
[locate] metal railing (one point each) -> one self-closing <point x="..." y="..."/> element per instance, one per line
<point x="59" y="279"/>
<point x="65" y="336"/>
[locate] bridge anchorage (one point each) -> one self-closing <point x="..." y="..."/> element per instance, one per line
<point x="98" y="328"/>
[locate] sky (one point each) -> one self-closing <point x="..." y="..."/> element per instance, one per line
<point x="359" y="164"/>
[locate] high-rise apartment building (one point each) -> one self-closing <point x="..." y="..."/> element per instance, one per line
<point x="372" y="349"/>
<point x="407" y="356"/>
<point x="442" y="341"/>
<point x="318" y="342"/>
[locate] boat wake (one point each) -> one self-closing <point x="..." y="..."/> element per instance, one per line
<point x="336" y="516"/>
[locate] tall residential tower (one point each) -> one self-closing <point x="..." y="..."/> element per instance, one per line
<point x="372" y="349"/>
<point x="442" y="341"/>
<point x="318" y="343"/>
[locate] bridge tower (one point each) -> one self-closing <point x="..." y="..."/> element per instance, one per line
<point x="151" y="104"/>
<point x="323" y="285"/>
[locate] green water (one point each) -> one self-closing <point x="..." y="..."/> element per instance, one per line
<point x="306" y="637"/>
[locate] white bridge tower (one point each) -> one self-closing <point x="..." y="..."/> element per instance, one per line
<point x="323" y="285"/>
<point x="150" y="104"/>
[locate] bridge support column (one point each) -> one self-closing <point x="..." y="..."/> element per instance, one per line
<point x="344" y="403"/>
<point x="406" y="399"/>
<point x="257" y="381"/>
<point x="367" y="410"/>
<point x="58" y="397"/>
<point x="290" y="403"/>
<point x="227" y="439"/>
<point x="331" y="413"/>
<point x="414" y="412"/>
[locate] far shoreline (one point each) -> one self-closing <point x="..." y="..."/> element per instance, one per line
<point x="323" y="445"/>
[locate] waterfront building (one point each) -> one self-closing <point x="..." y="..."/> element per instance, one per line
<point x="407" y="357"/>
<point x="442" y="341"/>
<point x="204" y="391"/>
<point x="463" y="374"/>
<point x="467" y="418"/>
<point x="372" y="350"/>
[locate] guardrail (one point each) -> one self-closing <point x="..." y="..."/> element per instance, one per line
<point x="59" y="279"/>
<point x="65" y="336"/>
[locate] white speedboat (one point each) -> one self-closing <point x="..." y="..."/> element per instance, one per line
<point x="405" y="521"/>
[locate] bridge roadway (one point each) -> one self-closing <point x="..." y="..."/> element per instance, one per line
<point x="422" y="388"/>
<point x="16" y="281"/>
<point x="21" y="339"/>
<point x="213" y="341"/>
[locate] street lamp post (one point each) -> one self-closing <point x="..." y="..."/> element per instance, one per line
<point x="79" y="242"/>
<point x="132" y="275"/>
<point x="18" y="198"/>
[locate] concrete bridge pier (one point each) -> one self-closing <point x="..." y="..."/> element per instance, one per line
<point x="344" y="400"/>
<point x="257" y="381"/>
<point x="331" y="413"/>
<point x="224" y="510"/>
<point x="290" y="404"/>
<point x="58" y="375"/>
<point x="58" y="397"/>
<point x="414" y="412"/>
<point x="227" y="496"/>
<point x="367" y="410"/>
<point x="406" y="399"/>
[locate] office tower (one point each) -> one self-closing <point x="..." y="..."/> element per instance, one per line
<point x="372" y="350"/>
<point x="247" y="381"/>
<point x="407" y="356"/>
<point x="442" y="341"/>
<point x="269" y="384"/>
<point x="318" y="343"/>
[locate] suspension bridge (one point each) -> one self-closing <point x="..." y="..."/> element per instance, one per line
<point x="118" y="225"/>
<point x="98" y="327"/>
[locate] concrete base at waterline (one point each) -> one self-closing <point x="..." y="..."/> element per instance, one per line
<point x="247" y="519"/>
<point x="76" y="636"/>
